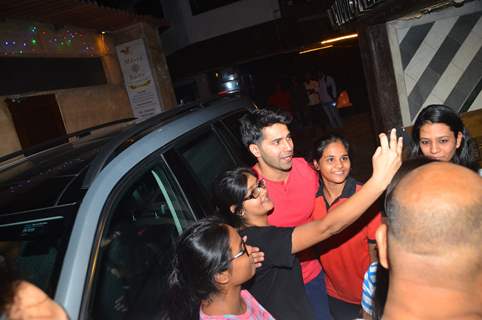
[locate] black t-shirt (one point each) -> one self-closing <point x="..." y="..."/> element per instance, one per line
<point x="278" y="284"/>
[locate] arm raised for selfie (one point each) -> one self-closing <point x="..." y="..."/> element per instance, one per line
<point x="386" y="161"/>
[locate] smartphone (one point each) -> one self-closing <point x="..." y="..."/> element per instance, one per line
<point x="402" y="132"/>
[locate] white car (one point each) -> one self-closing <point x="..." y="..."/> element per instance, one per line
<point x="93" y="222"/>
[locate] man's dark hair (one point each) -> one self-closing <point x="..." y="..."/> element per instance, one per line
<point x="322" y="143"/>
<point x="253" y="123"/>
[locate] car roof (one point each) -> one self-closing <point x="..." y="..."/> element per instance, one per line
<point x="60" y="175"/>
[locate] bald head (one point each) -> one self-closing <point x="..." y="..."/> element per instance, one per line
<point x="435" y="206"/>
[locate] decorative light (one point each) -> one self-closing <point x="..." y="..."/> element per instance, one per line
<point x="41" y="38"/>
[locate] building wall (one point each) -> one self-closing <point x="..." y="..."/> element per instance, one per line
<point x="81" y="107"/>
<point x="437" y="59"/>
<point x="187" y="29"/>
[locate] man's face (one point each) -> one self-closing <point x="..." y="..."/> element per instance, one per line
<point x="275" y="150"/>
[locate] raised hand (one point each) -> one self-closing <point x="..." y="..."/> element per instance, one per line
<point x="387" y="159"/>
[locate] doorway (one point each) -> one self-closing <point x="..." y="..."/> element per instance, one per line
<point x="37" y="119"/>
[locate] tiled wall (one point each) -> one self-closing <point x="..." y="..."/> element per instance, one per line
<point x="438" y="60"/>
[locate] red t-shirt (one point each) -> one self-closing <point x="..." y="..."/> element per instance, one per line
<point x="345" y="256"/>
<point x="294" y="201"/>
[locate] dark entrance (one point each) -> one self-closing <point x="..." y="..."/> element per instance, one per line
<point x="37" y="119"/>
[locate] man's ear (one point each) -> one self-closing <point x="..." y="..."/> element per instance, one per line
<point x="254" y="149"/>
<point x="222" y="278"/>
<point x="382" y="244"/>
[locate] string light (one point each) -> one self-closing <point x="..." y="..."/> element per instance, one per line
<point x="41" y="38"/>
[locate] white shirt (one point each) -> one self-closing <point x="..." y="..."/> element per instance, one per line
<point x="312" y="91"/>
<point x="327" y="83"/>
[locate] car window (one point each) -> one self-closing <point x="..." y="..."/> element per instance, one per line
<point x="33" y="244"/>
<point x="137" y="247"/>
<point x="197" y="160"/>
<point x="229" y="128"/>
<point x="207" y="156"/>
<point x="233" y="124"/>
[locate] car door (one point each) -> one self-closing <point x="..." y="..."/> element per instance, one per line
<point x="147" y="213"/>
<point x="148" y="210"/>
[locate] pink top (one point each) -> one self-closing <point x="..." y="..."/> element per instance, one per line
<point x="294" y="201"/>
<point x="254" y="311"/>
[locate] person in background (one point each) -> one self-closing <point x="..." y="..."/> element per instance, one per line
<point x="300" y="101"/>
<point x="431" y="244"/>
<point x="439" y="134"/>
<point x="345" y="257"/>
<point x="328" y="94"/>
<point x="281" y="98"/>
<point x="312" y="88"/>
<point x="210" y="264"/>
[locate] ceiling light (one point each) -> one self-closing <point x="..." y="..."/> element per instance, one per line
<point x="348" y="36"/>
<point x="315" y="49"/>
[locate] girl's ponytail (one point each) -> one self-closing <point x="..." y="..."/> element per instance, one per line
<point x="202" y="252"/>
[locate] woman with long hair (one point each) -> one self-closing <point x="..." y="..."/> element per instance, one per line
<point x="244" y="202"/>
<point x="439" y="134"/>
<point x="210" y="264"/>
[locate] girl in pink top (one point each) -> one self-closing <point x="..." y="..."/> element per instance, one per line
<point x="254" y="311"/>
<point x="210" y="264"/>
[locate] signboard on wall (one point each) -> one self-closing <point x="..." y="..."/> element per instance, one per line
<point x="345" y="11"/>
<point x="140" y="85"/>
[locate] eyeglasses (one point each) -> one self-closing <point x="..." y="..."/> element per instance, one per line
<point x="241" y="252"/>
<point x="257" y="190"/>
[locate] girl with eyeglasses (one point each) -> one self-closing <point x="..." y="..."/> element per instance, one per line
<point x="211" y="263"/>
<point x="244" y="202"/>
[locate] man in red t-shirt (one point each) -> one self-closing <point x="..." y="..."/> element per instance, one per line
<point x="292" y="185"/>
